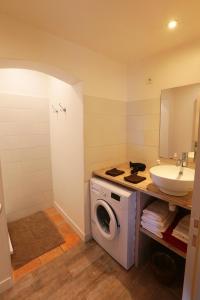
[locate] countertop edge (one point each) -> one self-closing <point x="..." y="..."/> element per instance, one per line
<point x="146" y="187"/>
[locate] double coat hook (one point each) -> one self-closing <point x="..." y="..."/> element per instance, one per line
<point x="62" y="108"/>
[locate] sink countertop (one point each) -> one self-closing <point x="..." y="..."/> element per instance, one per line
<point x="145" y="186"/>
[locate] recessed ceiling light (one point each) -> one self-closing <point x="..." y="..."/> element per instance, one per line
<point x="172" y="24"/>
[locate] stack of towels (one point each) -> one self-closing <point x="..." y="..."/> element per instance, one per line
<point x="157" y="218"/>
<point x="181" y="231"/>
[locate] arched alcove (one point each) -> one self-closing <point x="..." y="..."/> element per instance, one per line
<point x="74" y="212"/>
<point x="40" y="67"/>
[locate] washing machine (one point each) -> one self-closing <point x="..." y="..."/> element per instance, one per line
<point x="113" y="213"/>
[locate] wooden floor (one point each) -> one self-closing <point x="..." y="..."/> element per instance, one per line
<point x="88" y="272"/>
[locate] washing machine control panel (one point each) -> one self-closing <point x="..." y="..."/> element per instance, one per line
<point x="101" y="192"/>
<point x="98" y="191"/>
<point x="115" y="196"/>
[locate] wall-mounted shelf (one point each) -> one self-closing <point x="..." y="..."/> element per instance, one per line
<point x="163" y="242"/>
<point x="146" y="187"/>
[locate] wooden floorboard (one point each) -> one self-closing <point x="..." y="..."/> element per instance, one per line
<point x="88" y="272"/>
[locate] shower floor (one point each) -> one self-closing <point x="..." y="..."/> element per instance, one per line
<point x="70" y="237"/>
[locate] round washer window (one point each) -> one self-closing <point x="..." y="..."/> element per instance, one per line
<point x="106" y="220"/>
<point x="103" y="218"/>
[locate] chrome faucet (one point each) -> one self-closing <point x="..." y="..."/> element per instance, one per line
<point x="182" y="162"/>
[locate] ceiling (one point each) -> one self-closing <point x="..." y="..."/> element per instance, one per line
<point x="125" y="30"/>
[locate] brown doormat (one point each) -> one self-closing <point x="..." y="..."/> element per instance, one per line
<point x="31" y="237"/>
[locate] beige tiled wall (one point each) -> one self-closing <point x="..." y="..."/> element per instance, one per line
<point x="25" y="154"/>
<point x="143" y="117"/>
<point x="105" y="133"/>
<point x="118" y="131"/>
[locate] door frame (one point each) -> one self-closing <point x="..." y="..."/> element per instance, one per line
<point x="191" y="287"/>
<point x="6" y="280"/>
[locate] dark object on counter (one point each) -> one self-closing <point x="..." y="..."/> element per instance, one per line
<point x="136" y="167"/>
<point x="135" y="170"/>
<point x="114" y="172"/>
<point x="164" y="267"/>
<point x="134" y="178"/>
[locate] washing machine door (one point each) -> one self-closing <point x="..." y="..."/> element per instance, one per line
<point x="106" y="220"/>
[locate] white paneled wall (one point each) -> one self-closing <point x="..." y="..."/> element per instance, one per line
<point x="105" y="133"/>
<point x="67" y="151"/>
<point x="105" y="130"/>
<point x="143" y="130"/>
<point x="25" y="142"/>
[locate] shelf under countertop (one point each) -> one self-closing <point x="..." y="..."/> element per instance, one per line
<point x="163" y="242"/>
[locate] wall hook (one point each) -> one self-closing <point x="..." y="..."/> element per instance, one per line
<point x="62" y="108"/>
<point x="54" y="109"/>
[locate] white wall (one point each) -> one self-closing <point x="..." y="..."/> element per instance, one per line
<point x="23" y="82"/>
<point x="101" y="76"/>
<point x="24" y="142"/>
<point x="67" y="151"/>
<point x="172" y="69"/>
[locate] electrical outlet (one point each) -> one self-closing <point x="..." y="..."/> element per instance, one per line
<point x="149" y="80"/>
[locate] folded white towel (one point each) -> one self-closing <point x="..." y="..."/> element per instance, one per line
<point x="181" y="237"/>
<point x="152" y="230"/>
<point x="181" y="231"/>
<point x="159" y="224"/>
<point x="159" y="228"/>
<point x="183" y="225"/>
<point x="157" y="210"/>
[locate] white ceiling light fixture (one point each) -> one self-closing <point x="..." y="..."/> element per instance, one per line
<point x="172" y="24"/>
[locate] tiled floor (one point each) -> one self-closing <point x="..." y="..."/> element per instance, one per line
<point x="71" y="240"/>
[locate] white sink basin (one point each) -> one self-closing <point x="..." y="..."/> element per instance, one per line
<point x="169" y="181"/>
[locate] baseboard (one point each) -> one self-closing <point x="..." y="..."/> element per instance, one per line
<point x="6" y="284"/>
<point x="84" y="237"/>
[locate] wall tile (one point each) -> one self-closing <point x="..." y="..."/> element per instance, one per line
<point x="24" y="141"/>
<point x="22" y="102"/>
<point x="105" y="130"/>
<point x="25" y="153"/>
<point x="144" y="154"/>
<point x="141" y="107"/>
<point x="143" y="137"/>
<point x="94" y="105"/>
<point x="104" y="156"/>
<point x="143" y="123"/>
<point x="20" y="128"/>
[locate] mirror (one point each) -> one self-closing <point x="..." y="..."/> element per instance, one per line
<point x="179" y="120"/>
